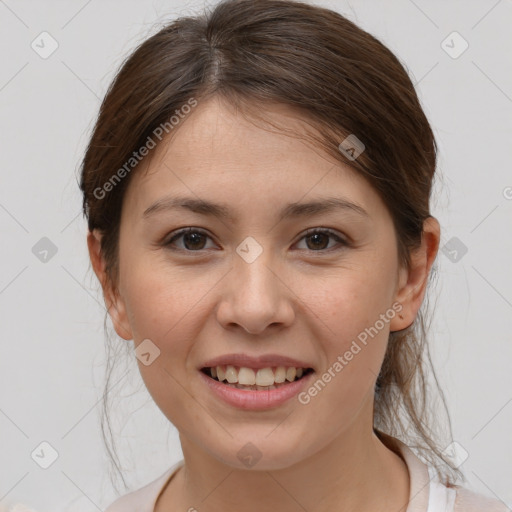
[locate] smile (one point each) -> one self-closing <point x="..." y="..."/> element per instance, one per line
<point x="261" y="379"/>
<point x="256" y="389"/>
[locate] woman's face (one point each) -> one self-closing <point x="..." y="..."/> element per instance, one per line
<point x="254" y="283"/>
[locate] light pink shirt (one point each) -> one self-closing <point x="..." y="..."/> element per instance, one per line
<point x="427" y="493"/>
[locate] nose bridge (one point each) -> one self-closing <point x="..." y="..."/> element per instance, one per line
<point x="256" y="296"/>
<point x="255" y="280"/>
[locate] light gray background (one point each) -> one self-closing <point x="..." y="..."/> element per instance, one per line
<point x="52" y="356"/>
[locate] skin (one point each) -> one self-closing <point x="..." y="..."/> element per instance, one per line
<point x="297" y="298"/>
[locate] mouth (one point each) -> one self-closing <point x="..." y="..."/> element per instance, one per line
<point x="255" y="379"/>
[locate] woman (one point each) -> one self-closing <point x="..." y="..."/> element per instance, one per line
<point x="257" y="192"/>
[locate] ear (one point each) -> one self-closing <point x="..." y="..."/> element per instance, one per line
<point x="413" y="282"/>
<point x="115" y="305"/>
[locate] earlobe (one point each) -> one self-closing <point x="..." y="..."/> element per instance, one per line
<point x="113" y="301"/>
<point x="413" y="282"/>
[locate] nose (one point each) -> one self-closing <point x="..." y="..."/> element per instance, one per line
<point x="255" y="297"/>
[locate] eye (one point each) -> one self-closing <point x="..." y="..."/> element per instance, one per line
<point x="319" y="237"/>
<point x="193" y="240"/>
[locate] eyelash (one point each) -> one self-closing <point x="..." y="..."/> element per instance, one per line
<point x="324" y="231"/>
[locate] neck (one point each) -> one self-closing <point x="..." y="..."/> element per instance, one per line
<point x="355" y="472"/>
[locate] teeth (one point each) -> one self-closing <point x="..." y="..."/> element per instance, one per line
<point x="290" y="374"/>
<point x="253" y="388"/>
<point x="247" y="377"/>
<point x="231" y="374"/>
<point x="241" y="377"/>
<point x="280" y="374"/>
<point x="265" y="377"/>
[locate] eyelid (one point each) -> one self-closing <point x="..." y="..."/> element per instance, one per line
<point x="341" y="239"/>
<point x="327" y="231"/>
<point x="175" y="235"/>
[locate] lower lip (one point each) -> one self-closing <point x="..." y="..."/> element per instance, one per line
<point x="256" y="400"/>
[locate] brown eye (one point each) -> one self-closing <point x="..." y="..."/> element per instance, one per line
<point x="319" y="239"/>
<point x="193" y="240"/>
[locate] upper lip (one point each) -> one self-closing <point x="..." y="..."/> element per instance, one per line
<point x="263" y="361"/>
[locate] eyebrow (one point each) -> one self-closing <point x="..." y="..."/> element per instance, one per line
<point x="222" y="211"/>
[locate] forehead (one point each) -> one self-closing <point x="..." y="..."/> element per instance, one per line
<point x="215" y="128"/>
<point x="217" y="152"/>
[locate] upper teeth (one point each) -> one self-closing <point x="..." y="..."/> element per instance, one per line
<point x="260" y="377"/>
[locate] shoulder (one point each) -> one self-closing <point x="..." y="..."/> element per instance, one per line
<point x="470" y="501"/>
<point x="143" y="499"/>
<point x="428" y="493"/>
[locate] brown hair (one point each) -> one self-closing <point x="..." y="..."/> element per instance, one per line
<point x="338" y="78"/>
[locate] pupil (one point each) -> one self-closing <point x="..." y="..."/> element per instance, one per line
<point x="315" y="236"/>
<point x="193" y="237"/>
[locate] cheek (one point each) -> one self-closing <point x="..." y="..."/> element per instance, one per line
<point x="159" y="299"/>
<point x="353" y="337"/>
<point x="347" y="302"/>
<point x="163" y="307"/>
<point x="352" y="313"/>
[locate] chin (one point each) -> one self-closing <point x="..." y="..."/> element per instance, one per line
<point x="258" y="453"/>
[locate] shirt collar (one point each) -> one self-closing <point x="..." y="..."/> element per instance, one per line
<point x="419" y="477"/>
